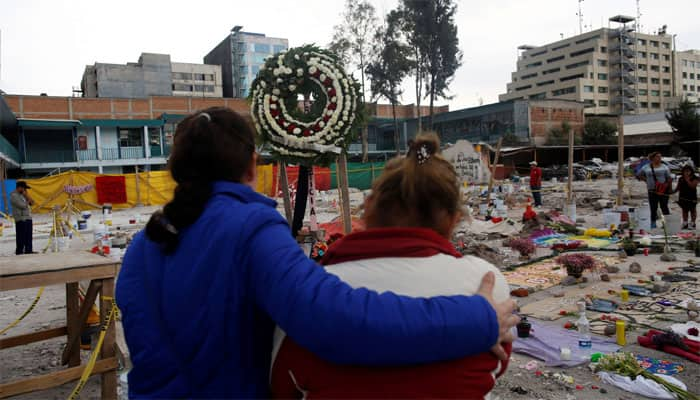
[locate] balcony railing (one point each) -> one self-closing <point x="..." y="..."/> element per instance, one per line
<point x="110" y="153"/>
<point x="155" y="151"/>
<point x="87" y="155"/>
<point x="132" y="152"/>
<point x="50" y="156"/>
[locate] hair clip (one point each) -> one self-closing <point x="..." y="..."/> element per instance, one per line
<point x="205" y="115"/>
<point x="422" y="154"/>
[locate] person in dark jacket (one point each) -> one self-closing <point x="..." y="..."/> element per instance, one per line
<point x="688" y="196"/>
<point x="22" y="214"/>
<point x="200" y="291"/>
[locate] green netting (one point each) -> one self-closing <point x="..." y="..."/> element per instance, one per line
<point x="360" y="175"/>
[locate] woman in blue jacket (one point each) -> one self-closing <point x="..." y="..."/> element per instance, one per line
<point x="201" y="289"/>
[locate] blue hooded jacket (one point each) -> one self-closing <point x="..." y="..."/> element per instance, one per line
<point x="199" y="321"/>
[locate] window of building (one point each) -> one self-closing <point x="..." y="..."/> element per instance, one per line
<point x="685" y="87"/>
<point x="692" y="88"/>
<point x="641" y="42"/>
<point x="277" y="48"/>
<point x="692" y="64"/>
<point x="571" y="77"/>
<point x="518" y="89"/>
<point x="198" y="77"/>
<point x="642" y="54"/>
<point x="576" y="65"/>
<point x="545" y="83"/>
<point x="254" y="69"/>
<point x="550" y="71"/>
<point x="602" y="103"/>
<point x="602" y="63"/>
<point x="685" y="63"/>
<point x="654" y="56"/>
<point x="602" y="89"/>
<point x="582" y="52"/>
<point x="666" y="45"/>
<point x="528" y="76"/>
<point x="261" y="48"/>
<point x="685" y="75"/>
<point x="209" y="77"/>
<point x="561" y="46"/>
<point x="654" y="43"/>
<point x="603" y="77"/>
<point x="642" y="79"/>
<point x="538" y="96"/>
<point x="642" y="92"/>
<point x="667" y="93"/>
<point x="642" y="67"/>
<point x="666" y="57"/>
<point x="588" y="89"/>
<point x="242" y="92"/>
<point x="185" y="76"/>
<point x="130" y="137"/>
<point x="560" y="92"/>
<point x="655" y="105"/>
<point x="535" y="64"/>
<point x="655" y="93"/>
<point x="644" y="104"/>
<point x="603" y="49"/>
<point x="590" y="75"/>
<point x="692" y="75"/>
<point x="181" y="87"/>
<point x="259" y="58"/>
<point x="539" y="53"/>
<point x="655" y="68"/>
<point x="555" y="59"/>
<point x="666" y="81"/>
<point x="655" y="81"/>
<point x="588" y="103"/>
<point x="666" y="69"/>
<point x="204" y="88"/>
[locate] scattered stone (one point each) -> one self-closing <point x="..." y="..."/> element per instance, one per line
<point x="635" y="268"/>
<point x="558" y="294"/>
<point x="518" y="390"/>
<point x="605" y="278"/>
<point x="568" y="281"/>
<point x="603" y="391"/>
<point x="660" y="287"/>
<point x="667" y="257"/>
<point x="622" y="254"/>
<point x="612" y="269"/>
<point x="609" y="330"/>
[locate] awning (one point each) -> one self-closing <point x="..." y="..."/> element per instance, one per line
<point x="47" y="123"/>
<point x="122" y="123"/>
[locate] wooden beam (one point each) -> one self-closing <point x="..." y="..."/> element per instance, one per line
<point x="20" y="340"/>
<point x="286" y="199"/>
<point x="72" y="309"/>
<point x="109" y="378"/>
<point x="54" y="379"/>
<point x="57" y="277"/>
<point x="493" y="169"/>
<point x="88" y="302"/>
<point x="344" y="193"/>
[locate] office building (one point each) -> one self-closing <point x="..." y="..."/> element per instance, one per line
<point x="241" y="55"/>
<point x="687" y="70"/>
<point x="609" y="70"/>
<point x="152" y="75"/>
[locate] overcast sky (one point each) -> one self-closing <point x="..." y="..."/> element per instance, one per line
<point x="45" y="44"/>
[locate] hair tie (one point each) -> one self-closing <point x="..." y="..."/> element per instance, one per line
<point x="205" y="115"/>
<point x="165" y="223"/>
<point x="422" y="154"/>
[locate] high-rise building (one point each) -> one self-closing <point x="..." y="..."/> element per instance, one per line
<point x="152" y="75"/>
<point x="687" y="71"/>
<point x="241" y="55"/>
<point x="605" y="69"/>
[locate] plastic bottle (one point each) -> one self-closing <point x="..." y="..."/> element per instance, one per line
<point x="584" y="327"/>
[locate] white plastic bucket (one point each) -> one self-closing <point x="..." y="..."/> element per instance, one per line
<point x="643" y="215"/>
<point x="572" y="212"/>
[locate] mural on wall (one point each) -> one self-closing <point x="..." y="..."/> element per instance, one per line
<point x="468" y="163"/>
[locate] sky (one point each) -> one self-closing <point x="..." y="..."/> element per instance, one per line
<point x="45" y="44"/>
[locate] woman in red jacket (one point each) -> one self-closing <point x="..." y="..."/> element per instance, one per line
<point x="536" y="183"/>
<point x="410" y="215"/>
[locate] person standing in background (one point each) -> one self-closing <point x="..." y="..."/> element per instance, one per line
<point x="688" y="196"/>
<point x="22" y="213"/>
<point x="658" y="178"/>
<point x="536" y="183"/>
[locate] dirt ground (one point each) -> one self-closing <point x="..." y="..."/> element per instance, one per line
<point x="517" y="383"/>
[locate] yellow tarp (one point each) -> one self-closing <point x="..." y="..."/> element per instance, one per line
<point x="154" y="188"/>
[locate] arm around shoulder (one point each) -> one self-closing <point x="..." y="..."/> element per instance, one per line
<point x="345" y="325"/>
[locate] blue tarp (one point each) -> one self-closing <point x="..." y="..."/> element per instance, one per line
<point x="9" y="186"/>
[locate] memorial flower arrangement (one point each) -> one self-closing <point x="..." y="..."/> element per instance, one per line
<point x="523" y="246"/>
<point x="316" y="133"/>
<point x="626" y="364"/>
<point x="576" y="263"/>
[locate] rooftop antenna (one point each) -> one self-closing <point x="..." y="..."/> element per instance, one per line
<point x="639" y="18"/>
<point x="580" y="17"/>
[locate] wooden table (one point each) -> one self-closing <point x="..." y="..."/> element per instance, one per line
<point x="36" y="270"/>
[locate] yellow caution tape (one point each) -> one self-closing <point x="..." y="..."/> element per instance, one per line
<point x="31" y="307"/>
<point x="93" y="357"/>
